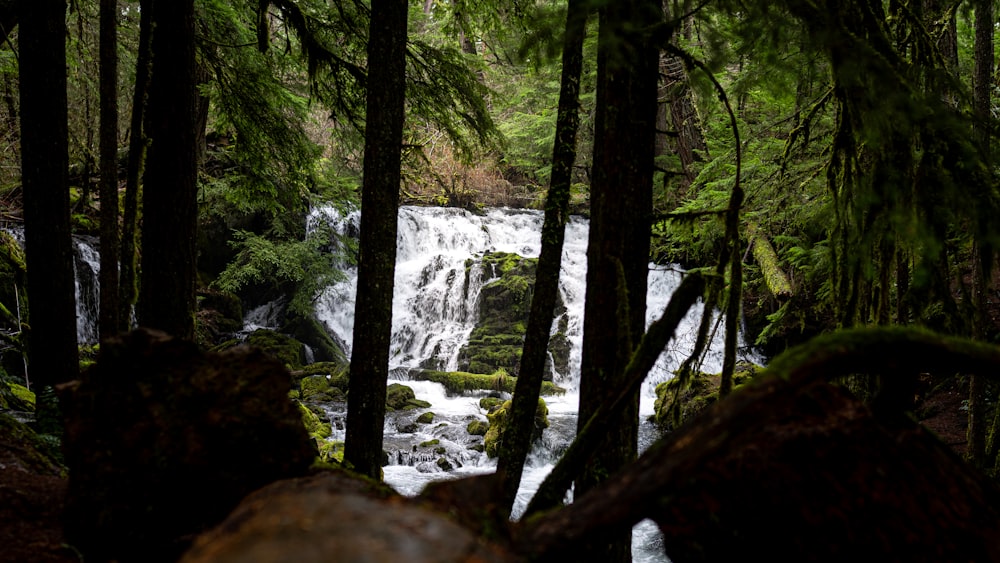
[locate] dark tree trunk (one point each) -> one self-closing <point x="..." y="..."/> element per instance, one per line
<point x="514" y="449"/>
<point x="52" y="346"/>
<point x="981" y="86"/>
<point x="8" y="18"/>
<point x="136" y="157"/>
<point x="618" y="249"/>
<point x="166" y="295"/>
<point x="108" y="321"/>
<point x="377" y="261"/>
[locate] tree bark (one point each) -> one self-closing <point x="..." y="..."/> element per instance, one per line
<point x="514" y="449"/>
<point x="109" y="310"/>
<point x="167" y="292"/>
<point x="618" y="248"/>
<point x="136" y="157"/>
<point x="52" y="345"/>
<point x="981" y="100"/>
<point x="377" y="261"/>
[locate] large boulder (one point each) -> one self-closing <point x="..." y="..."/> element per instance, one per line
<point x="163" y="441"/>
<point x="504" y="303"/>
<point x="335" y="517"/>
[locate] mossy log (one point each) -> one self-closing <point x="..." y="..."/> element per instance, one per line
<point x="774" y="277"/>
<point x="841" y="481"/>
<point x="458" y="382"/>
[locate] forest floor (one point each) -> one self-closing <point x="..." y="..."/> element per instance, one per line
<point x="31" y="504"/>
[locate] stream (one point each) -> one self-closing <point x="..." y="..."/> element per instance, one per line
<point x="434" y="311"/>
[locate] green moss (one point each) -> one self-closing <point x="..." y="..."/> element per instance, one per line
<point x="22" y="393"/>
<point x="284" y="348"/>
<point x="489" y="404"/>
<point x="426" y="418"/>
<point x="32" y="452"/>
<point x="331" y="451"/>
<point x="457" y="382"/>
<point x="316" y="428"/>
<point x="672" y="409"/>
<point x="499" y="421"/>
<point x="317" y="388"/>
<point x="477" y="427"/>
<point x="401" y="397"/>
<point x="337" y="372"/>
<point x="430" y="443"/>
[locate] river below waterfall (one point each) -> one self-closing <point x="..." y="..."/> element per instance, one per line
<point x="434" y="311"/>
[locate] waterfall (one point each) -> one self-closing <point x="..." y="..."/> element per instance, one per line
<point x="435" y="307"/>
<point x="86" y="269"/>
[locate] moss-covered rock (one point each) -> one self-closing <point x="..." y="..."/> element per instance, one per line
<point x="336" y="372"/>
<point x="457" y="382"/>
<point x="331" y="451"/>
<point x="282" y="347"/>
<point x="490" y="404"/>
<point x="311" y="332"/>
<point x="477" y="427"/>
<point x="426" y="418"/>
<point x="318" y="389"/>
<point x="499" y="421"/>
<point x="21" y="449"/>
<point x="16" y="397"/>
<point x="401" y="397"/>
<point x="504" y="303"/>
<point x="219" y="315"/>
<point x="317" y="429"/>
<point x="702" y="391"/>
<point x="163" y="440"/>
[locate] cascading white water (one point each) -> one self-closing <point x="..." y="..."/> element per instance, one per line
<point x="86" y="268"/>
<point x="434" y="311"/>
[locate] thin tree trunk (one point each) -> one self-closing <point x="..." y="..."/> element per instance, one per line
<point x="377" y="261"/>
<point x="167" y="297"/>
<point x="136" y="157"/>
<point x="514" y="449"/>
<point x="108" y="318"/>
<point x="52" y="345"/>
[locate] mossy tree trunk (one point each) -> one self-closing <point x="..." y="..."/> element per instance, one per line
<point x="109" y="310"/>
<point x="167" y="292"/>
<point x="514" y="449"/>
<point x="377" y="261"/>
<point x="618" y="248"/>
<point x="52" y="346"/>
<point x="133" y="172"/>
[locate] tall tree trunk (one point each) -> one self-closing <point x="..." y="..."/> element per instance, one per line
<point x="108" y="318"/>
<point x="618" y="249"/>
<point x="52" y="346"/>
<point x="136" y="157"/>
<point x="981" y="86"/>
<point x="377" y="261"/>
<point x="166" y="295"/>
<point x="514" y="449"/>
